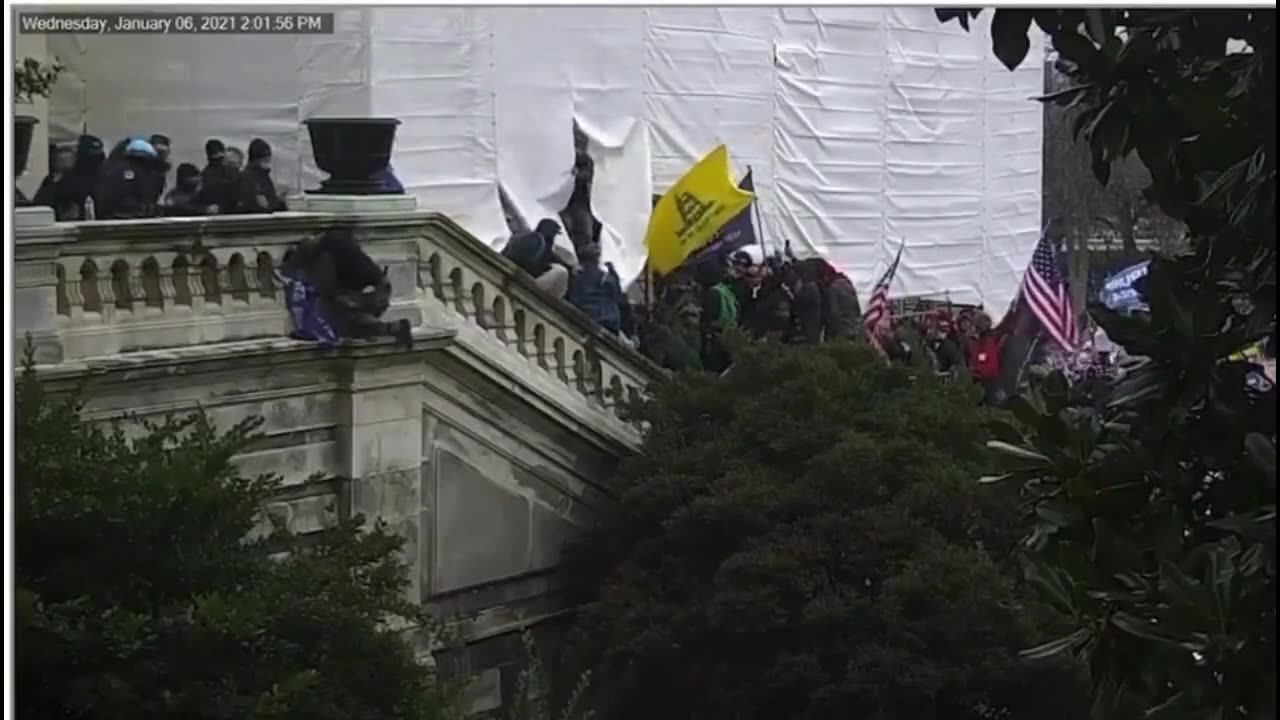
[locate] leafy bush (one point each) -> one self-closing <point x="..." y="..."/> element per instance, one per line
<point x="33" y="79"/>
<point x="139" y="594"/>
<point x="532" y="697"/>
<point x="803" y="538"/>
<point x="1157" y="512"/>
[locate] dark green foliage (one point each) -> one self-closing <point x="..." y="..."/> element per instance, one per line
<point x="803" y="538"/>
<point x="140" y="597"/>
<point x="1157" y="532"/>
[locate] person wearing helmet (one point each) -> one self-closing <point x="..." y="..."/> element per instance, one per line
<point x="128" y="188"/>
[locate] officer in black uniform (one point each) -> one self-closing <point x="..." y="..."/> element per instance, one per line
<point x="129" y="187"/>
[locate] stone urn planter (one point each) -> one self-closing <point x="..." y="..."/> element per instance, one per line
<point x="353" y="151"/>
<point x="24" y="127"/>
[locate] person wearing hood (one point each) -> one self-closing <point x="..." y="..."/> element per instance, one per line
<point x="841" y="311"/>
<point x="54" y="190"/>
<point x="534" y="252"/>
<point x="218" y="181"/>
<point x="351" y="293"/>
<point x="181" y="200"/>
<point x="81" y="182"/>
<point x="129" y="187"/>
<point x="255" y="191"/>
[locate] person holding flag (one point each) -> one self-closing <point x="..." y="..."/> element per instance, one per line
<point x="1042" y="309"/>
<point x="878" y="320"/>
<point x="1044" y="290"/>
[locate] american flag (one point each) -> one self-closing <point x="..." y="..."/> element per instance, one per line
<point x="1047" y="297"/>
<point x="879" y="315"/>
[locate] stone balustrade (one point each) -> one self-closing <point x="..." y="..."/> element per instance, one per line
<point x="463" y="275"/>
<point x="105" y="288"/>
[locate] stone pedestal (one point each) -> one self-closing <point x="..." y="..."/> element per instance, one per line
<point x="353" y="204"/>
<point x="30" y="217"/>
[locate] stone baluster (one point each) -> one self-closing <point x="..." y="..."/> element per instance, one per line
<point x="38" y="244"/>
<point x="106" y="287"/>
<point x="168" y="291"/>
<point x="136" y="290"/>
<point x="71" y="288"/>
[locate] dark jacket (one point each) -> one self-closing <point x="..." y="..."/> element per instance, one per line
<point x="181" y="203"/>
<point x="218" y="187"/>
<point x="950" y="353"/>
<point x="335" y="264"/>
<point x="531" y="252"/>
<point x="807" y="314"/>
<point x="58" y="192"/>
<point x="841" y="312"/>
<point x="126" y="190"/>
<point x="80" y="184"/>
<point x="256" y="192"/>
<point x="597" y="291"/>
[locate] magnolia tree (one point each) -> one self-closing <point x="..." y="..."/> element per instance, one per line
<point x="1156" y="533"/>
<point x="141" y="593"/>
<point x="802" y="538"/>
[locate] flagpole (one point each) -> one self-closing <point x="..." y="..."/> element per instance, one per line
<point x="648" y="293"/>
<point x="755" y="211"/>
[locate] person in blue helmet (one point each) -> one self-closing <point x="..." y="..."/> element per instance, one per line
<point x="129" y="187"/>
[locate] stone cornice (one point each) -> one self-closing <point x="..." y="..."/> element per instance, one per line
<point x="195" y="359"/>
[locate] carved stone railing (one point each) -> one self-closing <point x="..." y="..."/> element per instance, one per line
<point x="95" y="289"/>
<point x="471" y="280"/>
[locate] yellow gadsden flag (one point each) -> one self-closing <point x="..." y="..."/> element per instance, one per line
<point x="693" y="211"/>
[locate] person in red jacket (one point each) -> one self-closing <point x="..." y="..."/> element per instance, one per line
<point x="984" y="357"/>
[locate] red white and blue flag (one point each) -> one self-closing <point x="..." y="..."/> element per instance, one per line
<point x="1045" y="292"/>
<point x="879" y="316"/>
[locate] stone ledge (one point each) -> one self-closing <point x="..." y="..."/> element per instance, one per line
<point x="353" y="204"/>
<point x="31" y="217"/>
<point x="171" y="360"/>
<point x="212" y="226"/>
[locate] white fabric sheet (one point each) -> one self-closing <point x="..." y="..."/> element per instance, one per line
<point x="863" y="126"/>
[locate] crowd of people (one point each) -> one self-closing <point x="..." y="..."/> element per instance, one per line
<point x="131" y="180"/>
<point x="806" y="301"/>
<point x="683" y="321"/>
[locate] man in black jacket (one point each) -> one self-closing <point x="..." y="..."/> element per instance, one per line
<point x="55" y="190"/>
<point x="82" y="181"/>
<point x="534" y="253"/>
<point x="353" y="290"/>
<point x="255" y="190"/>
<point x="217" y="181"/>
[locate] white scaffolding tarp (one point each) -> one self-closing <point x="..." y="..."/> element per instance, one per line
<point x="864" y="127"/>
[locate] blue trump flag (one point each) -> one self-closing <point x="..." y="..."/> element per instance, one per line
<point x="1121" y="292"/>
<point x="736" y="234"/>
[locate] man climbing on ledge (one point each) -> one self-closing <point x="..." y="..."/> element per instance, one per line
<point x="335" y="291"/>
<point x="534" y="252"/>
